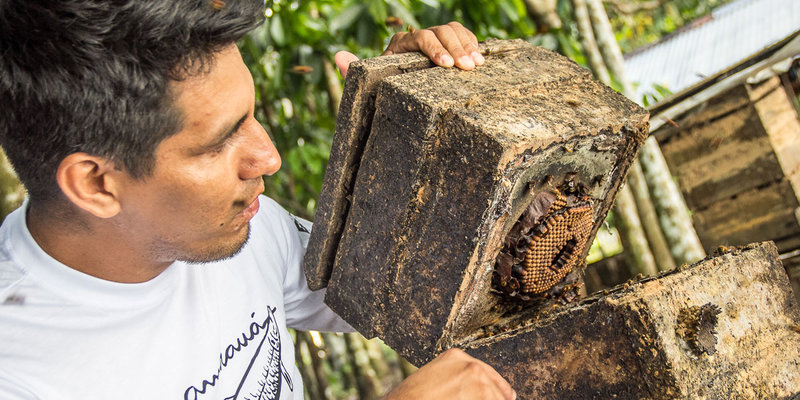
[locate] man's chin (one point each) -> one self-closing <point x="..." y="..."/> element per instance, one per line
<point x="223" y="252"/>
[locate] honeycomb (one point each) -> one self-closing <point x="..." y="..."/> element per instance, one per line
<point x="556" y="245"/>
<point x="545" y="244"/>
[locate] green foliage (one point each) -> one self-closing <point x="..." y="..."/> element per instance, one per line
<point x="646" y="24"/>
<point x="659" y="92"/>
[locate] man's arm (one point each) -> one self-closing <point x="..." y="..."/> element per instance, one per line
<point x="454" y="374"/>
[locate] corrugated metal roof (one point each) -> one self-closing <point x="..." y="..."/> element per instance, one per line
<point x="732" y="33"/>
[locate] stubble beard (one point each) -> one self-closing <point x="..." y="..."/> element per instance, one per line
<point x="221" y="252"/>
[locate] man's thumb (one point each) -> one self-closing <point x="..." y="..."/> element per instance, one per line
<point x="343" y="60"/>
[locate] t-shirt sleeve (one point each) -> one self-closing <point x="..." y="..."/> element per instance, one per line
<point x="305" y="309"/>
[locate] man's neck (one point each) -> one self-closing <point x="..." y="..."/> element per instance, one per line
<point x="99" y="249"/>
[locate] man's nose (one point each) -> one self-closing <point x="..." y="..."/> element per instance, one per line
<point x="259" y="155"/>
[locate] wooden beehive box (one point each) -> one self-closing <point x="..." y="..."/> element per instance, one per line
<point x="727" y="327"/>
<point x="736" y="159"/>
<point x="417" y="235"/>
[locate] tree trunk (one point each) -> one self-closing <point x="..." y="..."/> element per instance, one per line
<point x="334" y="86"/>
<point x="676" y="223"/>
<point x="306" y="371"/>
<point x="340" y="358"/>
<point x="649" y="218"/>
<point x="608" y="45"/>
<point x="637" y="252"/>
<point x="321" y="385"/>
<point x="672" y="211"/>
<point x="378" y="361"/>
<point x="590" y="49"/>
<point x="367" y="384"/>
<point x="639" y="257"/>
<point x="544" y="14"/>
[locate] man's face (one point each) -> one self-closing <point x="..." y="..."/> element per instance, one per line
<point x="197" y="204"/>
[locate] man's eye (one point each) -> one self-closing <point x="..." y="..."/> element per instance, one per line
<point x="219" y="148"/>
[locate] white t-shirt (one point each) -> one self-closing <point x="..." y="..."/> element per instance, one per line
<point x="212" y="331"/>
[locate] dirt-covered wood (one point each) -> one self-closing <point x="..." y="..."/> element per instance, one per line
<point x="447" y="181"/>
<point x="725" y="328"/>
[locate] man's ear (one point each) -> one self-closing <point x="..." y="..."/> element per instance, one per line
<point x="90" y="183"/>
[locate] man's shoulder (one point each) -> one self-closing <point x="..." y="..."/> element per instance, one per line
<point x="272" y="217"/>
<point x="10" y="276"/>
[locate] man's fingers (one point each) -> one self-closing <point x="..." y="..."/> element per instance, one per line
<point x="448" y="40"/>
<point x="426" y="41"/>
<point x="468" y="41"/>
<point x="343" y="60"/>
<point x="478" y="369"/>
<point x="446" y="45"/>
<point x="502" y="384"/>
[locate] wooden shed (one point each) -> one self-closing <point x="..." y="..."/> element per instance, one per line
<point x="737" y="161"/>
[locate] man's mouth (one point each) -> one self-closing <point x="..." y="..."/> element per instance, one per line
<point x="251" y="209"/>
<point x="243" y="217"/>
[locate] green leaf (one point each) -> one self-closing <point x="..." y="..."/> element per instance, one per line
<point x="347" y="18"/>
<point x="399" y="11"/>
<point x="378" y="11"/>
<point x="509" y="10"/>
<point x="276" y="31"/>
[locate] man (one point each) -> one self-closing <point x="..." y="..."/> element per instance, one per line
<point x="131" y="125"/>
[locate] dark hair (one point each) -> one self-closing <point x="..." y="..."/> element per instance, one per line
<point x="93" y="76"/>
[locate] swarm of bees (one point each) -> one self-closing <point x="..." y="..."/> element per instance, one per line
<point x="697" y="327"/>
<point x="546" y="243"/>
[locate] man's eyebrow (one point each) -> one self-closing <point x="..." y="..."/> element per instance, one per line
<point x="225" y="134"/>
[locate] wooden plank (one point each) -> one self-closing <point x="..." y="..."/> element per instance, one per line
<point x="780" y="120"/>
<point x="352" y="128"/>
<point x="734" y="100"/>
<point x="721" y="158"/>
<point x="725" y="328"/>
<point x="765" y="213"/>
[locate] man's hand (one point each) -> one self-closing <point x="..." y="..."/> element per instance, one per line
<point x="446" y="45"/>
<point x="454" y="375"/>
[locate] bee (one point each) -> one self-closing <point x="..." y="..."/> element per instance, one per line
<point x="302" y="69"/>
<point x="394" y="22"/>
<point x="673" y="123"/>
<point x="217" y="4"/>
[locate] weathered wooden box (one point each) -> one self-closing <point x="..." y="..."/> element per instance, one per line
<point x="726" y="328"/>
<point x="737" y="161"/>
<point x="431" y="169"/>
